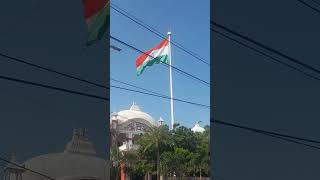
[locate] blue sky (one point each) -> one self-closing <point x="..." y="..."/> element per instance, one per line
<point x="189" y="24"/>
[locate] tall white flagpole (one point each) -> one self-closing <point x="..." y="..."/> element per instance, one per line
<point x="171" y="93"/>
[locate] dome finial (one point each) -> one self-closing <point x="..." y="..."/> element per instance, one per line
<point x="134" y="107"/>
<point x="80" y="143"/>
<point x="160" y="121"/>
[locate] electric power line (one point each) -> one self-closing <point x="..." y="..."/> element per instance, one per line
<point x="154" y="31"/>
<point x="265" y="54"/>
<point x="91" y="95"/>
<point x="25" y="168"/>
<point x="290" y="140"/>
<point x="275" y="135"/>
<point x="149" y="92"/>
<point x="25" y="62"/>
<point x="115" y="48"/>
<point x="309" y="6"/>
<point x="318" y="3"/>
<point x="281" y="138"/>
<point x="116" y="7"/>
<point x="292" y="59"/>
<point x="131" y="85"/>
<point x="53" y="88"/>
<point x="272" y="134"/>
<point x="284" y="136"/>
<point x="161" y="96"/>
<point x="75" y="78"/>
<point x="20" y="60"/>
<point x="175" y="68"/>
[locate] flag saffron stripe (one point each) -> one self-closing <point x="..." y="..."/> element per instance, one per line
<point x="140" y="60"/>
<point x="92" y="7"/>
<point x="157" y="60"/>
<point x="98" y="26"/>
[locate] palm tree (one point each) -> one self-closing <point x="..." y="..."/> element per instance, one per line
<point x="153" y="143"/>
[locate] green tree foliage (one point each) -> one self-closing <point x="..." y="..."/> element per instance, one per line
<point x="153" y="144"/>
<point x="176" y="162"/>
<point x="184" y="138"/>
<point x="202" y="161"/>
<point x="166" y="152"/>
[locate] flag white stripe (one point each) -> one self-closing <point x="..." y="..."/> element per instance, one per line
<point x="158" y="52"/>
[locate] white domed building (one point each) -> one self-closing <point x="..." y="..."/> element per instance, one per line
<point x="79" y="161"/>
<point x="129" y="125"/>
<point x="197" y="128"/>
<point x="126" y="128"/>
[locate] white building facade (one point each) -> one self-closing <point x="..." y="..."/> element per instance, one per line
<point x="128" y="126"/>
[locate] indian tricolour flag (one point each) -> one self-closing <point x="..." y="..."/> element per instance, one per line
<point x="156" y="55"/>
<point x="97" y="16"/>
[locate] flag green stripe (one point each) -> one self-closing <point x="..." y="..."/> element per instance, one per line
<point x="157" y="60"/>
<point x="99" y="26"/>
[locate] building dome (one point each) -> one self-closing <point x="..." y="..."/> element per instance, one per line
<point x="127" y="126"/>
<point x="197" y="128"/>
<point x="134" y="113"/>
<point x="66" y="166"/>
<point x="79" y="161"/>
